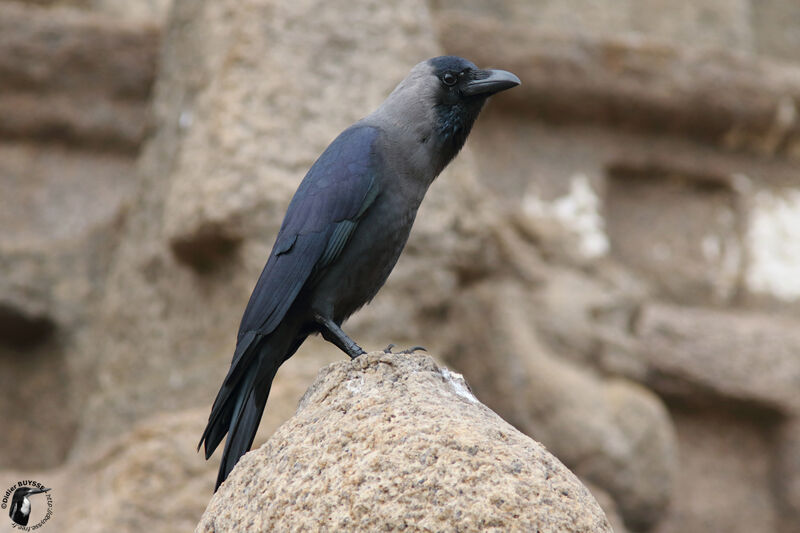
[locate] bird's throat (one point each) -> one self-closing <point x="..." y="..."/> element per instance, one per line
<point x="454" y="122"/>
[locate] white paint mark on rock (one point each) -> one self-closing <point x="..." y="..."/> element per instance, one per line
<point x="773" y="240"/>
<point x="456" y="380"/>
<point x="579" y="212"/>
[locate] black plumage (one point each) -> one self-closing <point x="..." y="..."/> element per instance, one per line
<point x="343" y="232"/>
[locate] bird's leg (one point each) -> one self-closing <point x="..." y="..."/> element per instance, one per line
<point x="388" y="349"/>
<point x="332" y="333"/>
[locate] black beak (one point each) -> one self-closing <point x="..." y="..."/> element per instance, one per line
<point x="488" y="82"/>
<point x="37" y="491"/>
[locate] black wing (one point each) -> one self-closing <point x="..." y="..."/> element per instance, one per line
<point x="325" y="210"/>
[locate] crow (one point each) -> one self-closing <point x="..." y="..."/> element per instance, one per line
<point x="343" y="232"/>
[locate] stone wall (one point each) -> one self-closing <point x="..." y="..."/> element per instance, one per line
<point x="662" y="138"/>
<point x="610" y="262"/>
<point x="73" y="122"/>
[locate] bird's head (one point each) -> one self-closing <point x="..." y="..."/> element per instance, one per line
<point x="22" y="492"/>
<point x="441" y="98"/>
<point x="457" y="81"/>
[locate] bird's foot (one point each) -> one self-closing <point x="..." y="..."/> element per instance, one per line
<point x="358" y="352"/>
<point x="388" y="349"/>
<point x="331" y="332"/>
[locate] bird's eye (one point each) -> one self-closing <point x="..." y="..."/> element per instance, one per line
<point x="449" y="79"/>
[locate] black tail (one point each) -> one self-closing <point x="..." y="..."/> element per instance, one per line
<point x="240" y="401"/>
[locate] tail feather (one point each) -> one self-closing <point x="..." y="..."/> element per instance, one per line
<point x="242" y="431"/>
<point x="232" y="392"/>
<point x="240" y="401"/>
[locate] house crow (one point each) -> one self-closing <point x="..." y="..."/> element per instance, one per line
<point x="343" y="232"/>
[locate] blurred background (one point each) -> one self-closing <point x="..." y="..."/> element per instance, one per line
<point x="613" y="261"/>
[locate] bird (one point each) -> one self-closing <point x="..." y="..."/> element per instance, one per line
<point x="343" y="232"/>
<point x="20" y="510"/>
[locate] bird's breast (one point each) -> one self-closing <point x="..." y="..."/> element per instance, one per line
<point x="368" y="258"/>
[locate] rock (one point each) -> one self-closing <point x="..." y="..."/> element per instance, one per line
<point x="707" y="23"/>
<point x="41" y="402"/>
<point x="22" y="327"/>
<point x="150" y="478"/>
<point x="390" y="442"/>
<point x="773" y="244"/>
<point x="788" y="464"/>
<point x="148" y="10"/>
<point x="60" y="210"/>
<point x="608" y="506"/>
<point x="635" y="83"/>
<point x="690" y="247"/>
<point x="726" y="478"/>
<point x="775" y="25"/>
<point x="583" y="312"/>
<point x="269" y="116"/>
<point x="741" y="357"/>
<point x="57" y="87"/>
<point x="613" y="433"/>
<point x="72" y="119"/>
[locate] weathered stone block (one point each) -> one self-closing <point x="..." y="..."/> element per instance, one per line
<point x="395" y="442"/>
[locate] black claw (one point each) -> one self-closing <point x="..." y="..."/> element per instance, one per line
<point x="414" y="349"/>
<point x="404" y="352"/>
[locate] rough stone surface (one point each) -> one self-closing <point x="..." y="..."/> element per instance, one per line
<point x="72" y="117"/>
<point x="154" y="11"/>
<point x="55" y="86"/>
<point x="643" y="85"/>
<point x="773" y="243"/>
<point x="707" y="23"/>
<point x="395" y="442"/>
<point x="750" y="358"/>
<point x="151" y="477"/>
<point x="775" y="24"/>
<point x="39" y="404"/>
<point x="148" y="479"/>
<point x="254" y="107"/>
<point x="788" y="464"/>
<point x="612" y="433"/>
<point x="54" y="250"/>
<point x="609" y="507"/>
<point x="690" y="249"/>
<point x="700" y="226"/>
<point x="725" y="481"/>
